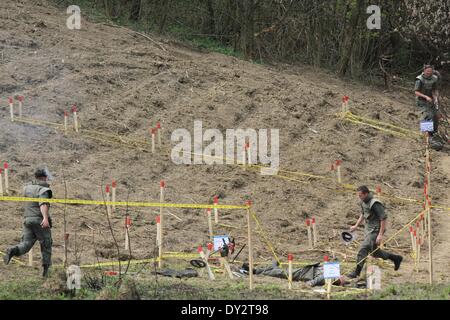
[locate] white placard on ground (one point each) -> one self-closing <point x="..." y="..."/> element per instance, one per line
<point x="218" y="242"/>
<point x="426" y="126"/>
<point x="331" y="270"/>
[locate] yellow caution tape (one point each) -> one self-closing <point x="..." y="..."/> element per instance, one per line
<point x="123" y="203"/>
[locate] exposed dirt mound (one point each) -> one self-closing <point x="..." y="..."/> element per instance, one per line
<point x="123" y="84"/>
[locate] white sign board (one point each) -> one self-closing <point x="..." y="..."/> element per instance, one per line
<point x="218" y="242"/>
<point x="426" y="126"/>
<point x="331" y="270"/>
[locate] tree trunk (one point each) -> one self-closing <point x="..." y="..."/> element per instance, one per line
<point x="135" y="10"/>
<point x="350" y="37"/>
<point x="247" y="30"/>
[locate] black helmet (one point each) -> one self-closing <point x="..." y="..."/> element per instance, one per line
<point x="41" y="173"/>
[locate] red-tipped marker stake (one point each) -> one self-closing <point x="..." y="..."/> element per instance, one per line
<point x="153" y="130"/>
<point x="249" y="153"/>
<point x="75" y="117"/>
<point x="11" y="108"/>
<point x="205" y="260"/>
<point x="158" y="231"/>
<point x="216" y="211"/>
<point x="6" y="167"/>
<point x="127" y="230"/>
<point x="378" y="191"/>
<point x="244" y="156"/>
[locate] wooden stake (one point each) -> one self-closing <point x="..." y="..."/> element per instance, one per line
<point x="290" y="258"/>
<point x="308" y="226"/>
<point x="75" y="117"/>
<point x="430" y="234"/>
<point x="158" y="231"/>
<point x="158" y="128"/>
<point x="250" y="246"/>
<point x="20" y="98"/>
<point x="66" y="245"/>
<point x="153" y="139"/>
<point x="1" y="183"/>
<point x="208" y="268"/>
<point x="328" y="282"/>
<point x="314" y="229"/>
<point x="216" y="211"/>
<point x="338" y="168"/>
<point x="108" y="199"/>
<point x="66" y="115"/>
<point x="30" y="257"/>
<point x="226" y="266"/>
<point x="11" y="108"/>
<point x="127" y="230"/>
<point x="243" y="157"/>
<point x="114" y="187"/>
<point x="411" y="233"/>
<point x="6" y="167"/>
<point x="211" y="236"/>
<point x="162" y="185"/>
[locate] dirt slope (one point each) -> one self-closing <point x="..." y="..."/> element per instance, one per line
<point x="124" y="83"/>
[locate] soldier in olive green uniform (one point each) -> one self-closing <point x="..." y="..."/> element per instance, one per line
<point x="37" y="222"/>
<point x="427" y="95"/>
<point x="375" y="223"/>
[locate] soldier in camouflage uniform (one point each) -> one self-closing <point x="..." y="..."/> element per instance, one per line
<point x="375" y="224"/>
<point x="37" y="222"/>
<point x="427" y="95"/>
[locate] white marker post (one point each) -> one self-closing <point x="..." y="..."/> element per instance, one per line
<point x="20" y="98"/>
<point x="158" y="128"/>
<point x="411" y="234"/>
<point x="108" y="199"/>
<point x="75" y="117"/>
<point x="153" y="130"/>
<point x="162" y="185"/>
<point x="210" y="227"/>
<point x="114" y="187"/>
<point x="205" y="259"/>
<point x="127" y="230"/>
<point x="66" y="116"/>
<point x="290" y="258"/>
<point x="1" y="182"/>
<point x="308" y="227"/>
<point x="209" y="249"/>
<point x="314" y="230"/>
<point x="338" y="170"/>
<point x="6" y="167"/>
<point x="216" y="211"/>
<point x="11" y="108"/>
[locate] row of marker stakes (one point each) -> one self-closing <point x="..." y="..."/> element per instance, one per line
<point x="20" y="100"/>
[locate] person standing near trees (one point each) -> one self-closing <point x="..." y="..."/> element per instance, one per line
<point x="427" y="97"/>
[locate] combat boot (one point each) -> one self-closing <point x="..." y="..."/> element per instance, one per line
<point x="45" y="268"/>
<point x="10" y="252"/>
<point x="397" y="260"/>
<point x="355" y="274"/>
